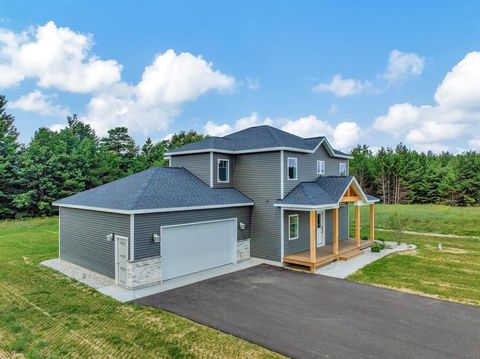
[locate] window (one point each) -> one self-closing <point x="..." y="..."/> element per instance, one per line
<point x="292" y="168"/>
<point x="223" y="171"/>
<point x="293" y="226"/>
<point x="343" y="169"/>
<point x="320" y="167"/>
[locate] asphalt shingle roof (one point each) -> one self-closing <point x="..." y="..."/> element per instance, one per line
<point x="325" y="190"/>
<point x="156" y="188"/>
<point x="255" y="138"/>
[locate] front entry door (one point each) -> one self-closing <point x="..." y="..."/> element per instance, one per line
<point x="320" y="229"/>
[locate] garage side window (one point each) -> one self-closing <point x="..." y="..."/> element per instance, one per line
<point x="223" y="171"/>
<point x="293" y="226"/>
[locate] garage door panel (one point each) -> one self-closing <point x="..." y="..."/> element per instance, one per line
<point x="192" y="248"/>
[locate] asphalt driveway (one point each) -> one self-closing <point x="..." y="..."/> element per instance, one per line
<point x="303" y="315"/>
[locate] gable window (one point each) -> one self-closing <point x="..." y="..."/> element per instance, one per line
<point x="343" y="169"/>
<point x="293" y="226"/>
<point x="223" y="171"/>
<point x="292" y="168"/>
<point x="320" y="167"/>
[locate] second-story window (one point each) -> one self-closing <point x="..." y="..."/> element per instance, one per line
<point x="223" y="171"/>
<point x="292" y="168"/>
<point x="343" y="169"/>
<point x="320" y="167"/>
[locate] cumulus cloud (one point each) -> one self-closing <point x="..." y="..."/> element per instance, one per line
<point x="62" y="59"/>
<point x="456" y="110"/>
<point x="403" y="64"/>
<point x="39" y="103"/>
<point x="213" y="129"/>
<point x="343" y="136"/>
<point x="56" y="57"/>
<point x="343" y="87"/>
<point x="173" y="79"/>
<point x="157" y="99"/>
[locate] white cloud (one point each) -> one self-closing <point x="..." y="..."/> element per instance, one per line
<point x="173" y="79"/>
<point x="475" y="143"/>
<point x="56" y="57"/>
<point x="213" y="129"/>
<point x="456" y="111"/>
<point x="252" y="83"/>
<point x="343" y="136"/>
<point x="333" y="109"/>
<point x="58" y="127"/>
<point x="403" y="64"/>
<point x="153" y="103"/>
<point x="343" y="87"/>
<point x="39" y="103"/>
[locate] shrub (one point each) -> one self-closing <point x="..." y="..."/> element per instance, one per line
<point x="365" y="238"/>
<point x="376" y="247"/>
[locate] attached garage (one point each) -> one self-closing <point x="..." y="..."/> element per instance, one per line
<point x="140" y="231"/>
<point x="190" y="248"/>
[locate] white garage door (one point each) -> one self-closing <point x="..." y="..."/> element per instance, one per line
<point x="195" y="247"/>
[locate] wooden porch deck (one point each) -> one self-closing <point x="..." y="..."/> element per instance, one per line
<point x="346" y="250"/>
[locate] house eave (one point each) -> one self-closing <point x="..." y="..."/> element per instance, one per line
<point x="151" y="210"/>
<point x="258" y="150"/>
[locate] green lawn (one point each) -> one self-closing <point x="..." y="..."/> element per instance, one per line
<point x="43" y="314"/>
<point x="423" y="218"/>
<point x="452" y="273"/>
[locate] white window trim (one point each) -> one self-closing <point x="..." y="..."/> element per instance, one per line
<point x="320" y="172"/>
<point x="340" y="168"/>
<point x="228" y="170"/>
<point x="296" y="169"/>
<point x="298" y="225"/>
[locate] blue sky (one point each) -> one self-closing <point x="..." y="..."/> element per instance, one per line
<point x="373" y="72"/>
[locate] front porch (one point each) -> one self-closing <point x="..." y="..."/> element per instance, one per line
<point x="324" y="255"/>
<point x="338" y="249"/>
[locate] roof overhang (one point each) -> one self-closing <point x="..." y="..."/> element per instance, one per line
<point x="305" y="207"/>
<point x="265" y="149"/>
<point x="151" y="210"/>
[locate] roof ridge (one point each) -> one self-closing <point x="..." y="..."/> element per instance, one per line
<point x="145" y="186"/>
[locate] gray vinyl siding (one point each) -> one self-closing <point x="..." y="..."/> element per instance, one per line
<point x="198" y="164"/>
<point x="258" y="176"/>
<point x="148" y="224"/>
<point x="307" y="166"/>
<point x="83" y="238"/>
<point x="302" y="243"/>
<point x="216" y="157"/>
<point x="342" y="224"/>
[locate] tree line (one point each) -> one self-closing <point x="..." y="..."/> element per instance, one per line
<point x="56" y="164"/>
<point x="400" y="175"/>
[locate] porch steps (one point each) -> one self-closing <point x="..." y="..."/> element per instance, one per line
<point x="350" y="254"/>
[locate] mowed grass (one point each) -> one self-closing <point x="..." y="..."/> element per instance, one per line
<point x="464" y="221"/>
<point x="44" y="314"/>
<point x="452" y="273"/>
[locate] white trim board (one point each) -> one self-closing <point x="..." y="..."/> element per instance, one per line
<point x="132" y="237"/>
<point x="264" y="149"/>
<point x="153" y="210"/>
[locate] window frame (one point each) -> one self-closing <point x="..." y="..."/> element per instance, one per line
<point x="340" y="168"/>
<point x="290" y="216"/>
<point x="227" y="168"/>
<point x="296" y="168"/>
<point x="321" y="172"/>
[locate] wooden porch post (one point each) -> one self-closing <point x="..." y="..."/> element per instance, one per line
<point x="335" y="231"/>
<point x="357" y="226"/>
<point x="372" y="222"/>
<point x="313" y="239"/>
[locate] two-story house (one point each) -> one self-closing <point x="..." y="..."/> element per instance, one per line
<point x="260" y="192"/>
